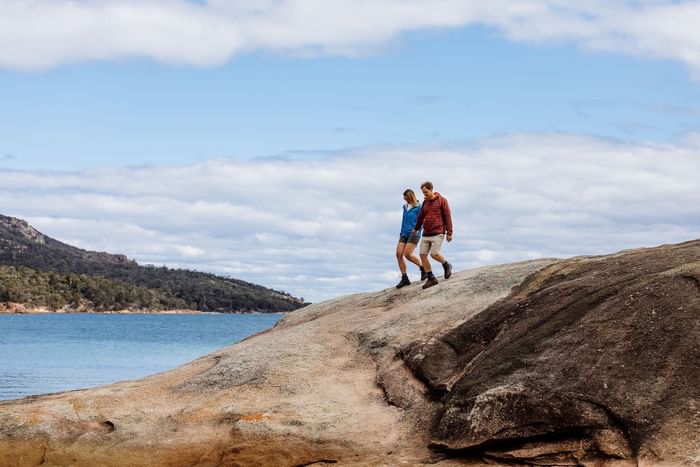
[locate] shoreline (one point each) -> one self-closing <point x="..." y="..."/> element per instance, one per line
<point x="19" y="309"/>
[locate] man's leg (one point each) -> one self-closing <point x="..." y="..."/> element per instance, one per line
<point x="435" y="254"/>
<point x="424" y="261"/>
<point x="425" y="246"/>
<point x="424" y="250"/>
<point x="438" y="257"/>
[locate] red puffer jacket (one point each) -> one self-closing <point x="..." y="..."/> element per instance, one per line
<point x="435" y="217"/>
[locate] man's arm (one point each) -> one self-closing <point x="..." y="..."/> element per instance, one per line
<point x="447" y="218"/>
<point x="419" y="221"/>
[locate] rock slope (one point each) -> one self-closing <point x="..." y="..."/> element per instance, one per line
<point x="588" y="361"/>
<point x="588" y="358"/>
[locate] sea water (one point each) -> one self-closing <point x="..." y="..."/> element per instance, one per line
<point x="45" y="353"/>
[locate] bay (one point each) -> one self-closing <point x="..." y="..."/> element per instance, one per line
<point x="44" y="353"/>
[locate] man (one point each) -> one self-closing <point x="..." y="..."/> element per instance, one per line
<point x="436" y="220"/>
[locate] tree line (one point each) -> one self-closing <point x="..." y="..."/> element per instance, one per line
<point x="55" y="274"/>
<point x="56" y="291"/>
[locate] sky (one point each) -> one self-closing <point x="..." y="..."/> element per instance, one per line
<point x="271" y="140"/>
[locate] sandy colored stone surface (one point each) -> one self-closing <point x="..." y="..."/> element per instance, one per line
<point x="589" y="361"/>
<point x="590" y="358"/>
<point x="305" y="392"/>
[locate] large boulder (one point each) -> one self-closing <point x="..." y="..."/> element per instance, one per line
<point x="326" y="385"/>
<point x="589" y="358"/>
<point x="584" y="361"/>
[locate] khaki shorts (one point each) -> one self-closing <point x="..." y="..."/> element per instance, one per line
<point x="431" y="245"/>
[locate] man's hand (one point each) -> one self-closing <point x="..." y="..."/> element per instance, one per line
<point x="413" y="233"/>
<point x="449" y="237"/>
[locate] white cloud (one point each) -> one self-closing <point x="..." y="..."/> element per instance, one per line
<point x="189" y="251"/>
<point x="324" y="227"/>
<point x="45" y="33"/>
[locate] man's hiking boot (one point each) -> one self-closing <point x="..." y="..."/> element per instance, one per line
<point x="430" y="282"/>
<point x="403" y="282"/>
<point x="423" y="274"/>
<point x="448" y="269"/>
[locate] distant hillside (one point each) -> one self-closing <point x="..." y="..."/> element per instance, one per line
<point x="81" y="278"/>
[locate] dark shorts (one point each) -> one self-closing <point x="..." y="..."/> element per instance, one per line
<point x="413" y="239"/>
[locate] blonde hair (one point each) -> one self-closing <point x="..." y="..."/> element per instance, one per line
<point x="412" y="200"/>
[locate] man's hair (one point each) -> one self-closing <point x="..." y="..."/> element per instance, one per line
<point x="428" y="185"/>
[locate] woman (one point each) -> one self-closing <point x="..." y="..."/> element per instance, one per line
<point x="407" y="243"/>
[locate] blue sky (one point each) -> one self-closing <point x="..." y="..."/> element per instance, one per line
<point x="116" y="130"/>
<point x="427" y="87"/>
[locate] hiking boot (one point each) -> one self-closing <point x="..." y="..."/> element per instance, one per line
<point x="430" y="282"/>
<point x="423" y="274"/>
<point x="448" y="269"/>
<point x="403" y="282"/>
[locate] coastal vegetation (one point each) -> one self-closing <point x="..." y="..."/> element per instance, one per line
<point x="41" y="271"/>
<point x="56" y="291"/>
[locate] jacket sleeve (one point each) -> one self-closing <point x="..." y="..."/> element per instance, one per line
<point x="446" y="216"/>
<point x="414" y="217"/>
<point x="421" y="218"/>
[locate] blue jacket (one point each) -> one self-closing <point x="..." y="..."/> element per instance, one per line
<point x="409" y="219"/>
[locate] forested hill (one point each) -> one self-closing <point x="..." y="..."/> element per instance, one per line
<point x="41" y="271"/>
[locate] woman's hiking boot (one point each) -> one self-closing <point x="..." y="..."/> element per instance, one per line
<point x="448" y="269"/>
<point x="403" y="282"/>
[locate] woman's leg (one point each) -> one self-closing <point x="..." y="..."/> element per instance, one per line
<point x="408" y="254"/>
<point x="400" y="247"/>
